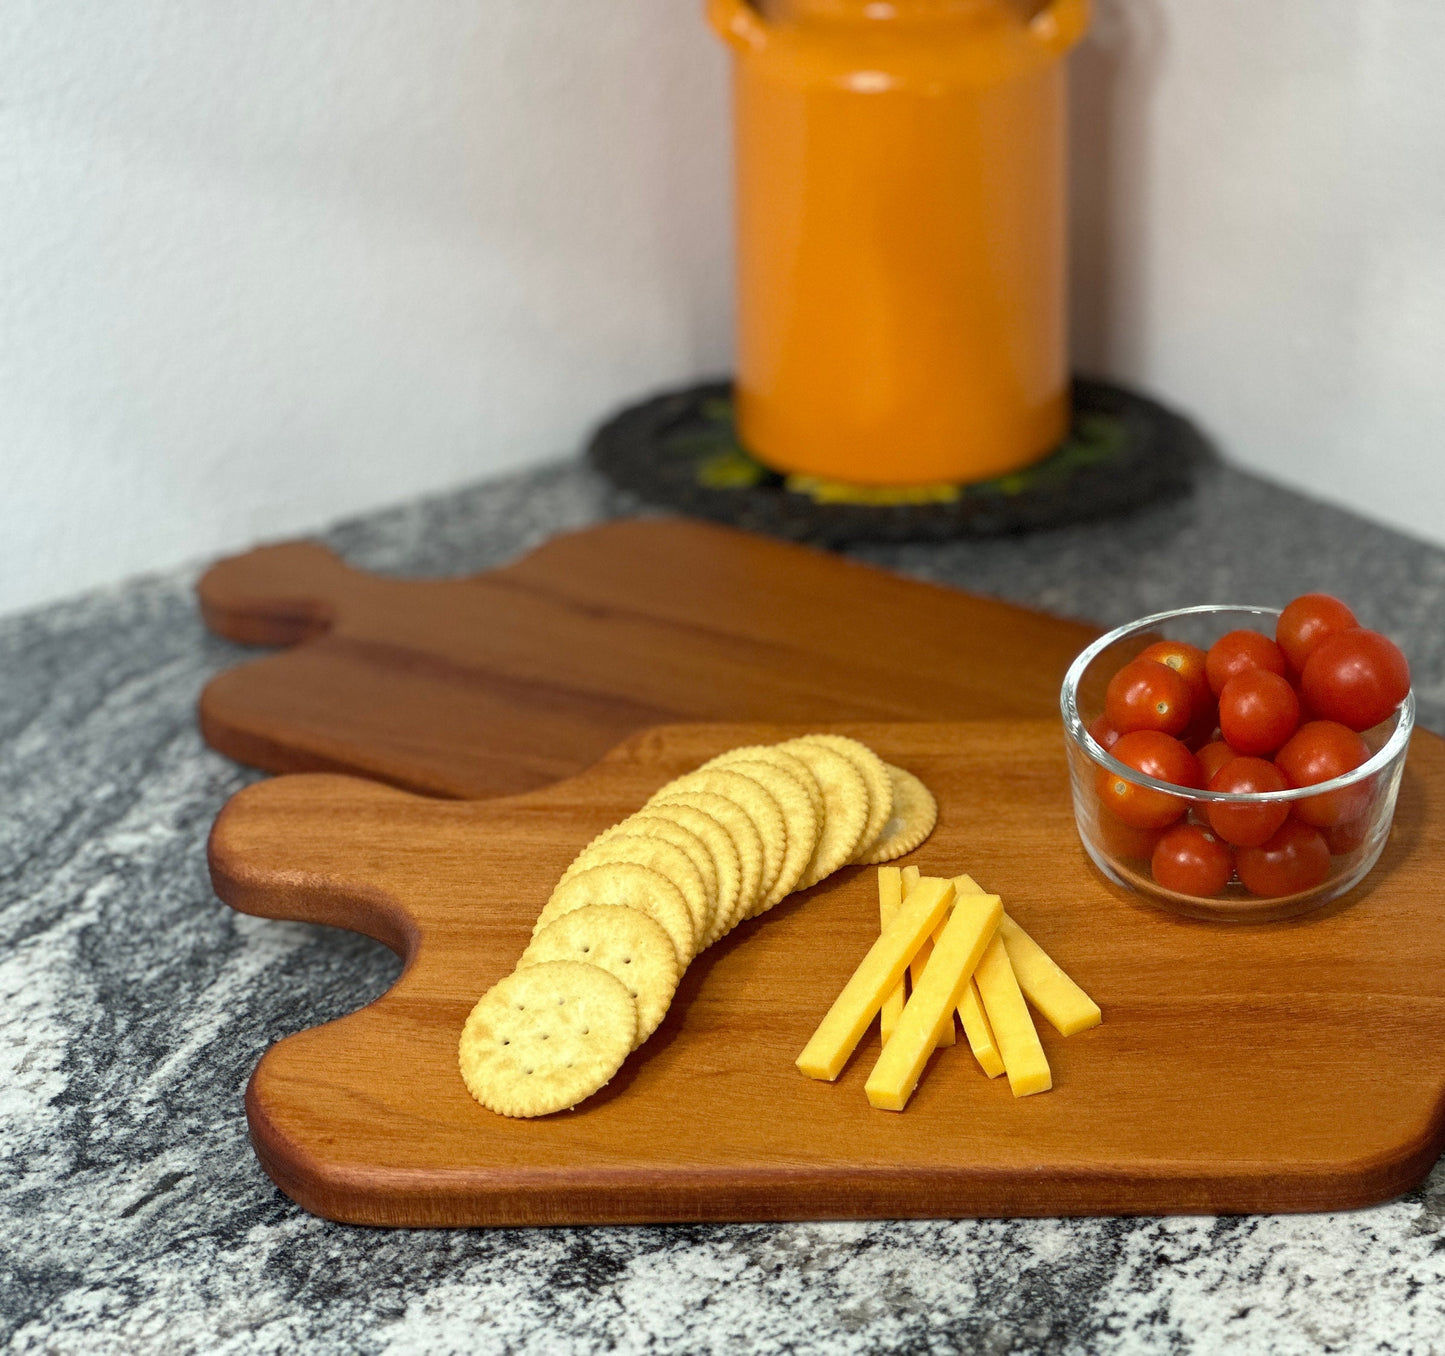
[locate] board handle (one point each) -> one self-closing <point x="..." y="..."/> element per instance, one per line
<point x="287" y="849"/>
<point x="275" y="595"/>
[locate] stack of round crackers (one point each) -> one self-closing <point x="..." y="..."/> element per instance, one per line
<point x="713" y="848"/>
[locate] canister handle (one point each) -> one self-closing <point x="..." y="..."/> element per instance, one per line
<point x="738" y="23"/>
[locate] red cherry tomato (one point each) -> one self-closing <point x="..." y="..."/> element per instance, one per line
<point x="1308" y="620"/>
<point x="1297" y="858"/>
<point x="1238" y="651"/>
<point x="1247" y="825"/>
<point x="1124" y="840"/>
<point x="1355" y="677"/>
<point x="1214" y="756"/>
<point x="1145" y="695"/>
<point x="1258" y="711"/>
<point x="1103" y="732"/>
<point x="1188" y="662"/>
<point x="1319" y="752"/>
<point x="1156" y="755"/>
<point x="1191" y="861"/>
<point x="1348" y="837"/>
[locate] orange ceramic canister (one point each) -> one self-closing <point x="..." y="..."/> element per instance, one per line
<point x="901" y="219"/>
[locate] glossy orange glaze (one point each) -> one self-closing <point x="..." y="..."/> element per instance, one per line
<point x="901" y="251"/>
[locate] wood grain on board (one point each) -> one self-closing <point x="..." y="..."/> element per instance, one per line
<point x="1291" y="1066"/>
<point x="512" y="679"/>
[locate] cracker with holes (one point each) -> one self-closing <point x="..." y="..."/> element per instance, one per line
<point x="759" y="805"/>
<point x="628" y="886"/>
<point x="656" y="854"/>
<point x="726" y="878"/>
<point x="545" y="1037"/>
<point x="625" y="943"/>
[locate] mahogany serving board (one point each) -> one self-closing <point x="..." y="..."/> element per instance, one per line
<point x="515" y="678"/>
<point x="1289" y="1066"/>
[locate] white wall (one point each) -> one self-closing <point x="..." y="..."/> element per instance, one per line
<point x="1260" y="234"/>
<point x="266" y="263"/>
<point x="263" y="264"/>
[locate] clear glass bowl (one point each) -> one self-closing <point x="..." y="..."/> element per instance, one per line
<point x="1121" y="853"/>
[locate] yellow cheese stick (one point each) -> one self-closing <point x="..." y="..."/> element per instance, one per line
<point x="1066" y="1006"/>
<point x="976" y="1028"/>
<point x="919" y="963"/>
<point x="842" y="1028"/>
<point x="1008" y="1015"/>
<point x="969" y="931"/>
<point x="890" y="898"/>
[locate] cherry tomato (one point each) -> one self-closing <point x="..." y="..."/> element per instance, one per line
<point x="1319" y="752"/>
<point x="1124" y="840"/>
<point x="1214" y="756"/>
<point x="1188" y="662"/>
<point x="1348" y="837"/>
<point x="1145" y="695"/>
<point x="1156" y="755"/>
<point x="1308" y="620"/>
<point x="1238" y="651"/>
<point x="1191" y="861"/>
<point x="1258" y="711"/>
<point x="1247" y="825"/>
<point x="1103" y="732"/>
<point x="1355" y="677"/>
<point x="1297" y="858"/>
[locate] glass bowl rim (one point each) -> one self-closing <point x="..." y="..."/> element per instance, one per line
<point x="1074" y="725"/>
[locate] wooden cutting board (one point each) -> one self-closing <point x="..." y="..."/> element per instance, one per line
<point x="1290" y="1066"/>
<point x="513" y="679"/>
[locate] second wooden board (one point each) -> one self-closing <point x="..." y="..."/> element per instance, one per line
<point x="1289" y="1066"/>
<point x="508" y="680"/>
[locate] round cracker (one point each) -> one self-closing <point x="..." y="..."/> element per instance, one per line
<point x="845" y="800"/>
<point x="545" y="1037"/>
<point x="915" y="812"/>
<point x="791" y="793"/>
<point x="875" y="776"/>
<point x="746" y="841"/>
<point x="626" y="943"/>
<point x="721" y="850"/>
<point x="779" y="756"/>
<point x="630" y="887"/>
<point x="649" y="824"/>
<point x="657" y="854"/>
<point x="751" y="796"/>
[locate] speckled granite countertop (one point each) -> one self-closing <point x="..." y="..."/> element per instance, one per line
<point x="133" y="1005"/>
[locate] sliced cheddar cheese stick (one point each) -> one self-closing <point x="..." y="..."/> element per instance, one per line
<point x="969" y="931"/>
<point x="1066" y="1006"/>
<point x="1063" y="1003"/>
<point x="890" y="898"/>
<point x="1008" y="1016"/>
<point x="919" y="963"/>
<point x="976" y="1028"/>
<point x="842" y="1028"/>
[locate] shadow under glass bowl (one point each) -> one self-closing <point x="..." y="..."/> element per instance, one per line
<point x="1122" y="853"/>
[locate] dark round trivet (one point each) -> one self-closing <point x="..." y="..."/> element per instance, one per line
<point x="680" y="450"/>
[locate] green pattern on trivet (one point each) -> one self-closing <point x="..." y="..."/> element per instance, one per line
<point x="682" y="450"/>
